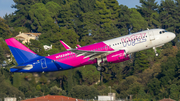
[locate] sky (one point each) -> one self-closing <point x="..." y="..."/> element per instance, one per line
<point x="5" y="5"/>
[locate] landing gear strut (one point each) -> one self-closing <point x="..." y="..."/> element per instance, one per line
<point x="99" y="67"/>
<point x="154" y="48"/>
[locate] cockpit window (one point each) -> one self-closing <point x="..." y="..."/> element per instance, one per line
<point x="161" y="32"/>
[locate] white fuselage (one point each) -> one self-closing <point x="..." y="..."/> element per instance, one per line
<point x="141" y="40"/>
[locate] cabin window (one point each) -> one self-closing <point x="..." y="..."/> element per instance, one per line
<point x="118" y="43"/>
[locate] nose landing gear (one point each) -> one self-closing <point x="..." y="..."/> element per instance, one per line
<point x="154" y="48"/>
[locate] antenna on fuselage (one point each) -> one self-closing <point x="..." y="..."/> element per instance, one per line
<point x="147" y="28"/>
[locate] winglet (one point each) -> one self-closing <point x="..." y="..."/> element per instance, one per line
<point x="78" y="46"/>
<point x="65" y="45"/>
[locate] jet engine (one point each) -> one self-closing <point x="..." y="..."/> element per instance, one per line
<point x="118" y="56"/>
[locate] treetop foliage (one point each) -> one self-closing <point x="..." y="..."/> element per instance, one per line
<point x="84" y="22"/>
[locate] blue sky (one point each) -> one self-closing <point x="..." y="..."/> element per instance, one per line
<point x="5" y="5"/>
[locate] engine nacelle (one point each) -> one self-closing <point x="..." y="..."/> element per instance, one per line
<point x="118" y="56"/>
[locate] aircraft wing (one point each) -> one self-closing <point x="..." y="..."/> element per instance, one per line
<point x="90" y="54"/>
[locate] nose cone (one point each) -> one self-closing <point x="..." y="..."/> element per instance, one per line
<point x="173" y="35"/>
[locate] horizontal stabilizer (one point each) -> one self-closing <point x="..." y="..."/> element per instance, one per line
<point x="65" y="45"/>
<point x="21" y="67"/>
<point x="27" y="67"/>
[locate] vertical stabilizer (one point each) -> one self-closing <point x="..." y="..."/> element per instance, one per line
<point x="21" y="53"/>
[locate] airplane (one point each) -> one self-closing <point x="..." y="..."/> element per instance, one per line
<point x="114" y="50"/>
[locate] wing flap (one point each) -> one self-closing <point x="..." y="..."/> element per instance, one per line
<point x="90" y="54"/>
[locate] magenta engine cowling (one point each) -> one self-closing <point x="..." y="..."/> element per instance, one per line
<point x="118" y="56"/>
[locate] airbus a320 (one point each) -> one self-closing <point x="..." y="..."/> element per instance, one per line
<point x="115" y="50"/>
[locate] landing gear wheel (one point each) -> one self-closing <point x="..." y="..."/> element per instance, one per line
<point x="101" y="68"/>
<point x="157" y="54"/>
<point x="98" y="68"/>
<point x="154" y="48"/>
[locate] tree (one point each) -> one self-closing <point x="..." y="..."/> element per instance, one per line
<point x="89" y="74"/>
<point x="149" y="10"/>
<point x="66" y="16"/>
<point x="140" y="62"/>
<point x="2" y="57"/>
<point x="16" y="80"/>
<point x="123" y="20"/>
<point x="113" y="6"/>
<point x="43" y="80"/>
<point x="83" y="92"/>
<point x="21" y="16"/>
<point x="137" y="21"/>
<point x="4" y="29"/>
<point x="70" y="80"/>
<point x="168" y="15"/>
<point x="41" y="19"/>
<point x="174" y="91"/>
<point x="154" y="86"/>
<point x="9" y="90"/>
<point x="57" y="91"/>
<point x="36" y="47"/>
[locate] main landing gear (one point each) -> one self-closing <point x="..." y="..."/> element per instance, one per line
<point x="154" y="48"/>
<point x="99" y="67"/>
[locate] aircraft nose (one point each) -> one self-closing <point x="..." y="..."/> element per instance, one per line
<point x="173" y="36"/>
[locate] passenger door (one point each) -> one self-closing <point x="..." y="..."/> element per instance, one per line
<point x="151" y="36"/>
